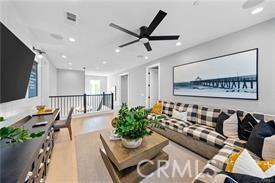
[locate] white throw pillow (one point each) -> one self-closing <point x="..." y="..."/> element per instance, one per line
<point x="179" y="115"/>
<point x="268" y="151"/>
<point x="245" y="164"/>
<point x="230" y="127"/>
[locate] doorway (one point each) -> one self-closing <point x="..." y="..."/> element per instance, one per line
<point x="124" y="88"/>
<point x="152" y="85"/>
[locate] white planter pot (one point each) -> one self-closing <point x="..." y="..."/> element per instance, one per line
<point x="131" y="143"/>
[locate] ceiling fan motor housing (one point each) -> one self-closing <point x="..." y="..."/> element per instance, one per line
<point x="144" y="32"/>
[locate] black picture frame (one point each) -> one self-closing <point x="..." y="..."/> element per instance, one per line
<point x="209" y="59"/>
<point x="33" y="81"/>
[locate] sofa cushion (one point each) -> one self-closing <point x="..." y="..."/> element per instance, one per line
<point x="181" y="107"/>
<point x="207" y="175"/>
<point x="235" y="142"/>
<point x="168" y="108"/>
<point x="208" y="116"/>
<point x="220" y="159"/>
<point x="236" y="160"/>
<point x="206" y="134"/>
<point x="230" y="126"/>
<point x="192" y="113"/>
<point x="262" y="141"/>
<point x="191" y="110"/>
<point x="175" y="124"/>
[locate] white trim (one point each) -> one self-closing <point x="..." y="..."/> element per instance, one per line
<point x="147" y="82"/>
<point x="128" y="89"/>
<point x="92" y="114"/>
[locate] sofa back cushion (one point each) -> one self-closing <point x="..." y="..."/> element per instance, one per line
<point x="191" y="110"/>
<point x="181" y="107"/>
<point x="208" y="116"/>
<point x="168" y="108"/>
<point x="258" y="116"/>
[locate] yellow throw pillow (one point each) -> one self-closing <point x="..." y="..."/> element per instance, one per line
<point x="231" y="161"/>
<point x="157" y="108"/>
<point x="264" y="165"/>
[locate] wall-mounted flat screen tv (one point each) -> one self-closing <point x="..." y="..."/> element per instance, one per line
<point x="15" y="67"/>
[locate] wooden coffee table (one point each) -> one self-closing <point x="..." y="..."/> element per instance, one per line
<point x="122" y="162"/>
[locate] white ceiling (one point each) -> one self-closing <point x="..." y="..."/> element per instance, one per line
<point x="96" y="41"/>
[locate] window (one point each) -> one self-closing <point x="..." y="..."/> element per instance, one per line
<point x="33" y="81"/>
<point x="94" y="87"/>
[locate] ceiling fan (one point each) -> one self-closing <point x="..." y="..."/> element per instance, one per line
<point x="145" y="32"/>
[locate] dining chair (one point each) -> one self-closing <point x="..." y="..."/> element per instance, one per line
<point x="58" y="124"/>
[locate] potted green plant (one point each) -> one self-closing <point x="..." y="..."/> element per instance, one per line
<point x="14" y="135"/>
<point x="132" y="125"/>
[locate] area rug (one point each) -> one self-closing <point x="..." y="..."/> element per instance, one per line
<point x="91" y="167"/>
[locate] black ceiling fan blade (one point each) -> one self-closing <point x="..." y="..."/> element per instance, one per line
<point x="126" y="44"/>
<point x="162" y="38"/>
<point x="124" y="30"/>
<point x="156" y="21"/>
<point x="148" y="46"/>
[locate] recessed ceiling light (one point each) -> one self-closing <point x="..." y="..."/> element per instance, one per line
<point x="56" y="36"/>
<point x="71" y="39"/>
<point x="64" y="56"/>
<point x="251" y="3"/>
<point x="70" y="63"/>
<point x="104" y="62"/>
<point x="257" y="10"/>
<point x="196" y="2"/>
<point x="146" y="57"/>
<point x="117" y="50"/>
<point x="178" y="43"/>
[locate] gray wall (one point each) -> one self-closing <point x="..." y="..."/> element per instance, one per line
<point x="103" y="82"/>
<point x="260" y="36"/>
<point x="70" y="82"/>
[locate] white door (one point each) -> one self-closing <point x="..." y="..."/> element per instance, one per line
<point x="153" y="86"/>
<point x="124" y="89"/>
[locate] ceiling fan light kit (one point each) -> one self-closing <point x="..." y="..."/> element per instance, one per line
<point x="145" y="32"/>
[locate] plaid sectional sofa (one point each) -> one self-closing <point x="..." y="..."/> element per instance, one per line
<point x="198" y="134"/>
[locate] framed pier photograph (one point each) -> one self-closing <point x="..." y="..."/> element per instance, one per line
<point x="232" y="76"/>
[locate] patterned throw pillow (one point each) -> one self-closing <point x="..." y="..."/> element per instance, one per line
<point x="157" y="108"/>
<point x="264" y="165"/>
<point x="243" y="163"/>
<point x="228" y="125"/>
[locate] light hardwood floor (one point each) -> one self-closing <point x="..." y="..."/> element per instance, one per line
<point x="63" y="163"/>
<point x="63" y="167"/>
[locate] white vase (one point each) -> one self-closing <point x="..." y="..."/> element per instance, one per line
<point x="131" y="143"/>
